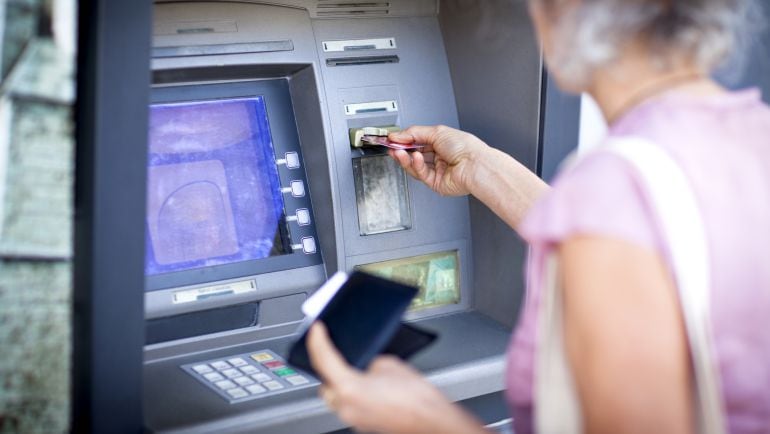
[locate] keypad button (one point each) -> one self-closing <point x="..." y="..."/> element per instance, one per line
<point x="237" y="362"/>
<point x="297" y="380"/>
<point x="221" y="365"/>
<point x="256" y="389"/>
<point x="274" y="364"/>
<point x="225" y="384"/>
<point x="273" y="385"/>
<point x="284" y="372"/>
<point x="262" y="357"/>
<point x="237" y="393"/>
<point x="261" y="377"/>
<point x="202" y="369"/>
<point x="243" y="381"/>
<point x="214" y="377"/>
<point x="232" y="373"/>
<point x="249" y="369"/>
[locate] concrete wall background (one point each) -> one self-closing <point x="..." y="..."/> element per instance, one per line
<point x="36" y="209"/>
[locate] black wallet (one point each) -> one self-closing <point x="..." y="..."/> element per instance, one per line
<point x="364" y="320"/>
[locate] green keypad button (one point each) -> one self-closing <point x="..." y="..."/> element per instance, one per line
<point x="284" y="372"/>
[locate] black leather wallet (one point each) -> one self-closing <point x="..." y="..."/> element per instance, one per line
<point x="364" y="320"/>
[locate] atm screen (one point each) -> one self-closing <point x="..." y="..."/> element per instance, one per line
<point x="214" y="196"/>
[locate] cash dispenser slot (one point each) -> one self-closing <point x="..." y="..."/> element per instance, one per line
<point x="210" y="321"/>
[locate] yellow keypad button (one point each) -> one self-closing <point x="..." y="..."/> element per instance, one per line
<point x="262" y="357"/>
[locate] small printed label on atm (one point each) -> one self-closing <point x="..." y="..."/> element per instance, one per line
<point x="359" y="44"/>
<point x="371" y="107"/>
<point x="197" y="294"/>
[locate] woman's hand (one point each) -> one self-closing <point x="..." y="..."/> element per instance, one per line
<point x="390" y="397"/>
<point x="445" y="163"/>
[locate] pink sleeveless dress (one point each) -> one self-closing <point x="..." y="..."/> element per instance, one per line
<point x="723" y="145"/>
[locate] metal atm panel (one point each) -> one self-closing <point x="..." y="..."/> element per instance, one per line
<point x="342" y="69"/>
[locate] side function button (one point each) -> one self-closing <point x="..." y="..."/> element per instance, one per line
<point x="303" y="217"/>
<point x="292" y="160"/>
<point x="308" y="245"/>
<point x="298" y="189"/>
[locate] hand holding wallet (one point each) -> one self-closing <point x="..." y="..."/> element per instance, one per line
<point x="363" y="317"/>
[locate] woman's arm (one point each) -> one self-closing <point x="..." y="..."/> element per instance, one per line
<point x="506" y="186"/>
<point x="625" y="338"/>
<point x="456" y="163"/>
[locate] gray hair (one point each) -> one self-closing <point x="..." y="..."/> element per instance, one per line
<point x="591" y="33"/>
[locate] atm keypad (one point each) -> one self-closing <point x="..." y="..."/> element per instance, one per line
<point x="249" y="376"/>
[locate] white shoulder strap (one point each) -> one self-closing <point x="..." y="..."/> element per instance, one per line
<point x="684" y="232"/>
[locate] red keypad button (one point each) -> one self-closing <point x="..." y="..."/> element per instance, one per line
<point x="274" y="364"/>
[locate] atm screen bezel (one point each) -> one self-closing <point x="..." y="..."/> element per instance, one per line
<point x="283" y="127"/>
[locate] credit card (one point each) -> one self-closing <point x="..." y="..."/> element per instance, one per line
<point x="383" y="141"/>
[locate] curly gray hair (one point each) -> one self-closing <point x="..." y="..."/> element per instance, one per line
<point x="591" y="33"/>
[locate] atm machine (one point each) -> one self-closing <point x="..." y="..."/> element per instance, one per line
<point x="256" y="194"/>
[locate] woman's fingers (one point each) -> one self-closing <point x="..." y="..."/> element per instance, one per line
<point x="414" y="163"/>
<point x="421" y="169"/>
<point x="325" y="359"/>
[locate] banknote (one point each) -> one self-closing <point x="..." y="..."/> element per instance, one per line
<point x="436" y="276"/>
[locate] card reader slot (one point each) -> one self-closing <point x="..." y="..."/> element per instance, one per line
<point x="357" y="61"/>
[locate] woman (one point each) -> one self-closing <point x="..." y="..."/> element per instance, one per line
<point x="647" y="64"/>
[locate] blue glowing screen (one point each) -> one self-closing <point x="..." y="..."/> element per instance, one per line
<point x="213" y="190"/>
